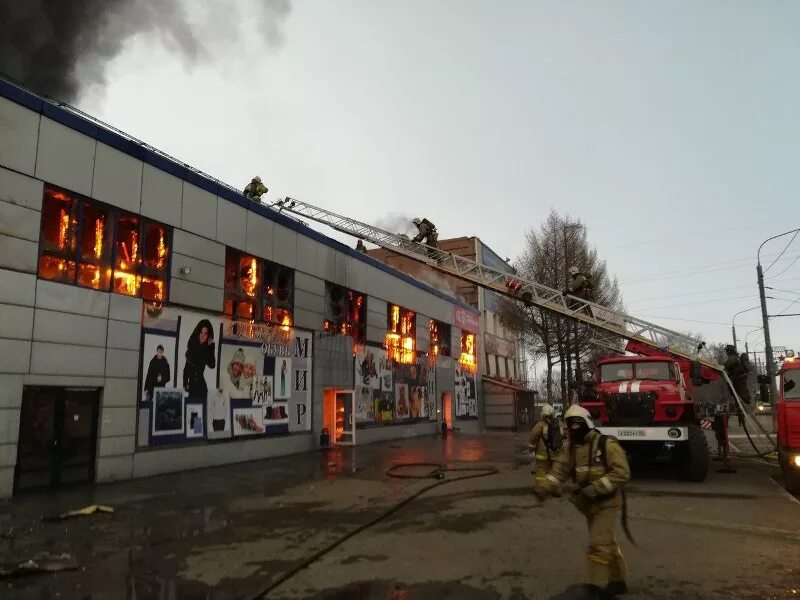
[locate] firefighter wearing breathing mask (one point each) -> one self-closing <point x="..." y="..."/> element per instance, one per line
<point x="545" y="443"/>
<point x="598" y="466"/>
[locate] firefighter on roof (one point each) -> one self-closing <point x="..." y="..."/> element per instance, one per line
<point x="427" y="232"/>
<point x="598" y="466"/>
<point x="361" y="247"/>
<point x="255" y="189"/>
<point x="545" y="442"/>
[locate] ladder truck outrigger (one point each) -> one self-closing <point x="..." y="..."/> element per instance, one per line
<point x="654" y="417"/>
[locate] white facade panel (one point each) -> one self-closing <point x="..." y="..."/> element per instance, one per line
<point x="123" y="336"/>
<point x="307" y="260"/>
<point x="19" y="222"/>
<point x="9" y="426"/>
<point x="116" y="421"/>
<point x="21" y="190"/>
<point x="117" y="178"/>
<point x="17" y="288"/>
<point x="65" y="157"/>
<point x="309" y="301"/>
<point x="63" y="359"/>
<point x="11" y="390"/>
<point x="341" y="273"/>
<point x="202" y="272"/>
<point x="199" y="212"/>
<point x="231" y="224"/>
<point x="116" y="446"/>
<point x="189" y="244"/>
<point x="71" y="299"/>
<point x="259" y="236"/>
<point x="120" y="392"/>
<point x="309" y="283"/>
<point x="326" y="264"/>
<point x="16" y="322"/>
<point x="122" y="363"/>
<point x="19" y="132"/>
<point x="114" y="468"/>
<point x="357" y="275"/>
<point x="21" y="255"/>
<point x="14" y="356"/>
<point x="162" y="196"/>
<point x="308" y="319"/>
<point x="125" y="308"/>
<point x="284" y="246"/>
<point x="194" y="294"/>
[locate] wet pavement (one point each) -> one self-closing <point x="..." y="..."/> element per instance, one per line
<point x="242" y="530"/>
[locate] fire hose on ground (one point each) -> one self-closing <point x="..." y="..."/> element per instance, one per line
<point x="438" y="472"/>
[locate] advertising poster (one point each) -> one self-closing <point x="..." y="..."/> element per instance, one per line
<point x="384" y="407"/>
<point x="385" y="374"/>
<point x="365" y="406"/>
<point x="167" y="411"/>
<point x="430" y="394"/>
<point x="466" y="393"/>
<point x="204" y="377"/>
<point x="158" y="363"/>
<point x="401" y="401"/>
<point x="417" y="408"/>
<point x="367" y="364"/>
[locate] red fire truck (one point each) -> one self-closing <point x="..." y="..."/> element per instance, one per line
<point x="788" y="413"/>
<point x="646" y="403"/>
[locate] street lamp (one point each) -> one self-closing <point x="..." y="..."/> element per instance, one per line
<point x="773" y="388"/>
<point x="733" y="323"/>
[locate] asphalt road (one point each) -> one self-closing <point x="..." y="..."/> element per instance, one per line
<point x="234" y="532"/>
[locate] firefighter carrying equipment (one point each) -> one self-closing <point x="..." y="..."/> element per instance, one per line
<point x="427" y="232"/>
<point x="543" y="443"/>
<point x="599" y="467"/>
<point x="255" y="189"/>
<point x="738" y="373"/>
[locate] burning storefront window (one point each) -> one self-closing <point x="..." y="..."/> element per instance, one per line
<point x="345" y="312"/>
<point x="99" y="247"/>
<point x="440" y="338"/>
<point x="258" y="290"/>
<point x="469" y="351"/>
<point x="401" y="335"/>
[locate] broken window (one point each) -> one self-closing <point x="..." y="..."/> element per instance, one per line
<point x="345" y="312"/>
<point x="96" y="246"/>
<point x="258" y="290"/>
<point x="401" y="335"/>
<point x="440" y="338"/>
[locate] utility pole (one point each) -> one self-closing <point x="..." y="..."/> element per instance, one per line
<point x="773" y="387"/>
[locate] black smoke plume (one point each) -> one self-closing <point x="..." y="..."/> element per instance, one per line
<point x="58" y="47"/>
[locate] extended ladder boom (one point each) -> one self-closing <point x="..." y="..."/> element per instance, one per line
<point x="530" y="292"/>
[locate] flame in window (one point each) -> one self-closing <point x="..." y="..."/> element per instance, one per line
<point x="126" y="283"/>
<point x="469" y="354"/>
<point x="63" y="228"/>
<point x="250" y="280"/>
<point x="161" y="251"/>
<point x="98" y="241"/>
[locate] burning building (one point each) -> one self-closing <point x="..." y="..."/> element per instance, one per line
<point x="149" y="313"/>
<point x="506" y="400"/>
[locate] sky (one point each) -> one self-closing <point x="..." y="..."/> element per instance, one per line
<point x="670" y="129"/>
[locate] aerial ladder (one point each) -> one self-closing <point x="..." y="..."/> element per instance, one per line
<point x="608" y="324"/>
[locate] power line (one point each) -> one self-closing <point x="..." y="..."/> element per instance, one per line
<point x="725" y="289"/>
<point x="787" y="268"/>
<point x="689" y="273"/>
<point x="691" y="320"/>
<point x="782" y="251"/>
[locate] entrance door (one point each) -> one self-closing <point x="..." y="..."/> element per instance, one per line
<point x="57" y="437"/>
<point x="345" y="418"/>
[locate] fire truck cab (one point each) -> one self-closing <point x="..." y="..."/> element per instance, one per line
<point x="644" y="402"/>
<point x="788" y="418"/>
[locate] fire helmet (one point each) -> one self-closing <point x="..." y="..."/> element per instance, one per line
<point x="574" y="270"/>
<point x="578" y="413"/>
<point x="257" y="179"/>
<point x="730" y="349"/>
<point x="417" y="221"/>
<point x="547" y="411"/>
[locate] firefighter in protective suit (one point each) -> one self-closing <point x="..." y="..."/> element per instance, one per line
<point x="426" y="232"/>
<point x="598" y="466"/>
<point x="544" y="449"/>
<point x="255" y="189"/>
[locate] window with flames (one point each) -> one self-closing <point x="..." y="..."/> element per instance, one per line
<point x="258" y="290"/>
<point x="92" y="245"/>
<point x="345" y="312"/>
<point x="401" y="335"/>
<point x="469" y="351"/>
<point x="441" y="336"/>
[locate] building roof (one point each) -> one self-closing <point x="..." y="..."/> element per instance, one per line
<point x="77" y="120"/>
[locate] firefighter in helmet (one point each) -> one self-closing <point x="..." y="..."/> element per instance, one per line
<point x="579" y="284"/>
<point x="361" y="247"/>
<point x="598" y="466"/>
<point x="545" y="442"/>
<point x="255" y="189"/>
<point x="738" y="373"/>
<point x="426" y="231"/>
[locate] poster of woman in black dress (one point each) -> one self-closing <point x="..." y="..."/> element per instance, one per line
<point x="200" y="354"/>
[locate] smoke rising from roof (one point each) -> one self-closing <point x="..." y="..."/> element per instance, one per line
<point x="397" y="223"/>
<point x="59" y="47"/>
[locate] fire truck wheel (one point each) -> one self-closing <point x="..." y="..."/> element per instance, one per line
<point x="791" y="476"/>
<point x="693" y="456"/>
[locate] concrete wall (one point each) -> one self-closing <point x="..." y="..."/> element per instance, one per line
<point x="62" y="335"/>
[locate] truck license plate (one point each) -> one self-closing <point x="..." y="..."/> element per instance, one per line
<point x="632" y="433"/>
